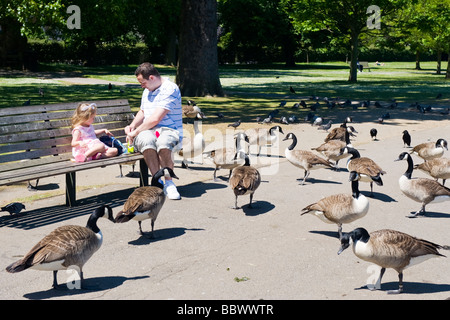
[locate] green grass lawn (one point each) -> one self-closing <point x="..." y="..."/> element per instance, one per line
<point x="251" y="89"/>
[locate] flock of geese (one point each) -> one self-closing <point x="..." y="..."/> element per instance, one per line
<point x="74" y="245"/>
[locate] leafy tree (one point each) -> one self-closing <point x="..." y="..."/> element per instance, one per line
<point x="345" y="21"/>
<point x="251" y="29"/>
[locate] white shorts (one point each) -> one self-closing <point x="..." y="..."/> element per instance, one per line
<point x="168" y="139"/>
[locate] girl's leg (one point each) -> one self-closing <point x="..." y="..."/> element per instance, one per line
<point x="94" y="149"/>
<point x="110" y="152"/>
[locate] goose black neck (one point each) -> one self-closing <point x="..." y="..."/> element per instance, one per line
<point x="355" y="189"/>
<point x="355" y="153"/>
<point x="155" y="181"/>
<point x="408" y="172"/>
<point x="294" y="143"/>
<point x="347" y="137"/>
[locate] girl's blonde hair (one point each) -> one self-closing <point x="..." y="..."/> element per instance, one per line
<point x="83" y="112"/>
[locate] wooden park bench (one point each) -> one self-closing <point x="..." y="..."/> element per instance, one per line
<point x="35" y="142"/>
<point x="364" y="64"/>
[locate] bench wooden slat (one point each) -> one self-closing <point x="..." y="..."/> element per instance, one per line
<point x="63" y="167"/>
<point x="46" y="125"/>
<point x="67" y="115"/>
<point x="61" y="106"/>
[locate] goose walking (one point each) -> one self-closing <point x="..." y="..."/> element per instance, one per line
<point x="389" y="249"/>
<point x="340" y="132"/>
<point x="65" y="247"/>
<point x="261" y="137"/>
<point x="145" y="202"/>
<point x="341" y="208"/>
<point x="422" y="190"/>
<point x="304" y="159"/>
<point x="430" y="150"/>
<point x="245" y="180"/>
<point x="438" y="168"/>
<point x="368" y="170"/>
<point x="332" y="149"/>
<point x="229" y="158"/>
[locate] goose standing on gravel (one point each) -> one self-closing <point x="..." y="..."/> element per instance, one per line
<point x="332" y="149"/>
<point x="229" y="158"/>
<point x="389" y="249"/>
<point x="341" y="208"/>
<point x="339" y="133"/>
<point x="65" y="247"/>
<point x="192" y="148"/>
<point x="368" y="170"/>
<point x="146" y="202"/>
<point x="245" y="180"/>
<point x="430" y="150"/>
<point x="422" y="190"/>
<point x="304" y="159"/>
<point x="438" y="168"/>
<point x="261" y="137"/>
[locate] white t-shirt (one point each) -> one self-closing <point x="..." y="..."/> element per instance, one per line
<point x="168" y="97"/>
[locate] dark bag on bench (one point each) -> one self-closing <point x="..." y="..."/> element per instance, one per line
<point x="113" y="143"/>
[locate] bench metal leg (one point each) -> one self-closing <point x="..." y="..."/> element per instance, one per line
<point x="71" y="189"/>
<point x="143" y="169"/>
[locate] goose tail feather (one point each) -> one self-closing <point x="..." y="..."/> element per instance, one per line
<point x="122" y="218"/>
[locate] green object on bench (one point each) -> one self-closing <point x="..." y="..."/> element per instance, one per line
<point x="35" y="142"/>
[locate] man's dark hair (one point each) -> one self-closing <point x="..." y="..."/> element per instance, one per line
<point x="146" y="70"/>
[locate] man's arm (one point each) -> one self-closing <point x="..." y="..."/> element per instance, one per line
<point x="149" y="123"/>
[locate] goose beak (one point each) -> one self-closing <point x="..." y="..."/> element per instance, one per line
<point x="343" y="247"/>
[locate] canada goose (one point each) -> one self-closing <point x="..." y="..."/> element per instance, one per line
<point x="192" y="148"/>
<point x="65" y="247"/>
<point x="430" y="150"/>
<point x="228" y="158"/>
<point x="438" y="168"/>
<point x="332" y="149"/>
<point x="13" y="208"/>
<point x="145" y="202"/>
<point x="306" y="160"/>
<point x="192" y="111"/>
<point x="368" y="170"/>
<point x="261" y="137"/>
<point x="245" y="180"/>
<point x="406" y="139"/>
<point x="389" y="249"/>
<point x="422" y="190"/>
<point x="341" y="208"/>
<point x="339" y="133"/>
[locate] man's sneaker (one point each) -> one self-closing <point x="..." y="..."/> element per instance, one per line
<point x="171" y="190"/>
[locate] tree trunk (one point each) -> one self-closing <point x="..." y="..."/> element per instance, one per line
<point x="198" y="66"/>
<point x="439" y="59"/>
<point x="354" y="58"/>
<point x="448" y="67"/>
<point x="418" y="60"/>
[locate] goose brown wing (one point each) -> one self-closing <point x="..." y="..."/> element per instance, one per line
<point x="143" y="199"/>
<point x="60" y="244"/>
